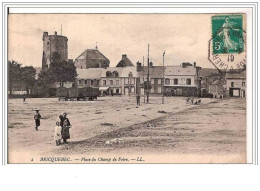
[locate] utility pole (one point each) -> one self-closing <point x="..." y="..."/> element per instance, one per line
<point x="148" y="77"/>
<point x="143" y="79"/>
<point x="163" y="79"/>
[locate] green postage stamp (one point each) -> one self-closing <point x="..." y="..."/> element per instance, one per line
<point x="227" y="33"/>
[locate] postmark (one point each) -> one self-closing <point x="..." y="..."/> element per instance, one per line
<point x="227" y="47"/>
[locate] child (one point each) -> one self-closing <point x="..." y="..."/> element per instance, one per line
<point x="57" y="133"/>
<point x="37" y="118"/>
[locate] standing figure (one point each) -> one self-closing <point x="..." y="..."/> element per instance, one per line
<point x="65" y="124"/>
<point x="37" y="117"/>
<point x="187" y="100"/>
<point x="24" y="98"/>
<point x="57" y="133"/>
<point x="138" y="99"/>
<point x="192" y="100"/>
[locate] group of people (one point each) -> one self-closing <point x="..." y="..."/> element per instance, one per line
<point x="192" y="100"/>
<point x="61" y="129"/>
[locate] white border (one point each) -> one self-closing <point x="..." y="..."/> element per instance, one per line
<point x="152" y="9"/>
<point x="134" y="177"/>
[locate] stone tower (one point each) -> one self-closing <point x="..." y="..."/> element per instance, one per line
<point x="53" y="44"/>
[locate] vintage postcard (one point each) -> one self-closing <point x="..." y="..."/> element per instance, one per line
<point x="128" y="88"/>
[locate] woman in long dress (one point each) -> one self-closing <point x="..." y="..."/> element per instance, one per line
<point x="65" y="124"/>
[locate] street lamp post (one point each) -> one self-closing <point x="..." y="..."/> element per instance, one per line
<point x="163" y="80"/>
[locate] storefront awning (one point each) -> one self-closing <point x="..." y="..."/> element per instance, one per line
<point x="103" y="88"/>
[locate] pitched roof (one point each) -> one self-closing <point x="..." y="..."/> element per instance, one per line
<point x="90" y="73"/>
<point x="180" y="71"/>
<point x="236" y="75"/>
<point x="125" y="62"/>
<point x="154" y="72"/>
<point x="122" y="71"/>
<point x="91" y="54"/>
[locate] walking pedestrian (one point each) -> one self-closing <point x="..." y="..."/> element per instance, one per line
<point x="65" y="124"/>
<point x="57" y="133"/>
<point x="37" y="117"/>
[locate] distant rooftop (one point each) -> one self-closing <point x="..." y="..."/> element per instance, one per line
<point x="91" y="54"/>
<point x="125" y="62"/>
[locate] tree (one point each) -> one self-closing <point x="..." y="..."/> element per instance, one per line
<point x="59" y="71"/>
<point x="28" y="76"/>
<point x="14" y="70"/>
<point x="63" y="71"/>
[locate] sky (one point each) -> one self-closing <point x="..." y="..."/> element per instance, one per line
<point x="183" y="37"/>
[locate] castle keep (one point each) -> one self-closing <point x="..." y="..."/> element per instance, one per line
<point x="53" y="44"/>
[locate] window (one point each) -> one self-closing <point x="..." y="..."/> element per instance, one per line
<point x="132" y="81"/>
<point x="79" y="82"/>
<point x="243" y="84"/>
<point x="126" y="80"/>
<point x="86" y="82"/>
<point x="232" y="84"/>
<point x="92" y="82"/>
<point x="175" y="81"/>
<point x="104" y="82"/>
<point x="117" y="82"/>
<point x="188" y="81"/>
<point x="115" y="74"/>
<point x="152" y="81"/>
<point x="48" y="43"/>
<point x="159" y="81"/>
<point x="152" y="90"/>
<point x="97" y="82"/>
<point x="117" y="91"/>
<point x="108" y="74"/>
<point x="167" y="81"/>
<point x="159" y="90"/>
<point x="111" y="82"/>
<point x="182" y="81"/>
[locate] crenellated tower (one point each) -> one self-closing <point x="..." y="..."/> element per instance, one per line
<point x="53" y="44"/>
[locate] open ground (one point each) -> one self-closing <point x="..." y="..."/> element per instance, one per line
<point x="113" y="127"/>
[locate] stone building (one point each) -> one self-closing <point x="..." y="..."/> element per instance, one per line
<point x="178" y="80"/>
<point x="91" y="58"/>
<point x="89" y="77"/>
<point x="119" y="80"/>
<point x="236" y="84"/>
<point x="181" y="80"/>
<point x="155" y="78"/>
<point x="217" y="88"/>
<point x="53" y="44"/>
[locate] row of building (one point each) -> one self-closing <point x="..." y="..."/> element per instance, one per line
<point x="93" y="69"/>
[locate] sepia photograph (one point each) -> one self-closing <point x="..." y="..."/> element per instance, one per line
<point x="127" y="87"/>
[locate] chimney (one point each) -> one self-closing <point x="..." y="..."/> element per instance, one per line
<point x="124" y="56"/>
<point x="55" y="33"/>
<point x="194" y="64"/>
<point x="138" y="66"/>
